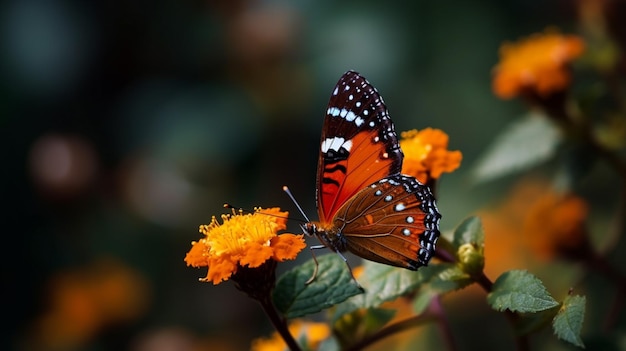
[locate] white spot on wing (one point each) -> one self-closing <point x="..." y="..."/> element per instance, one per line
<point x="333" y="111"/>
<point x="350" y="116"/>
<point x="335" y="144"/>
<point x="347" y="145"/>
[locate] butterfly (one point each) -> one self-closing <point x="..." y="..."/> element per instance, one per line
<point x="365" y="205"/>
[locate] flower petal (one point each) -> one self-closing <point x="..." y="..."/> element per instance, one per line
<point x="220" y="269"/>
<point x="255" y="254"/>
<point x="198" y="255"/>
<point x="287" y="246"/>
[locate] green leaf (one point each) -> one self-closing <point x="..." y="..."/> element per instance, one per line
<point x="569" y="320"/>
<point x="332" y="285"/>
<point x="470" y="231"/>
<point x="382" y="283"/>
<point x="524" y="144"/>
<point x="444" y="277"/>
<point x="520" y="291"/>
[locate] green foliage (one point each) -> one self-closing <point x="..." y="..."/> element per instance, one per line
<point x="527" y="142"/>
<point x="520" y="291"/>
<point x="470" y="231"/>
<point x="332" y="285"/>
<point x="442" y="278"/>
<point x="569" y="320"/>
<point x="381" y="283"/>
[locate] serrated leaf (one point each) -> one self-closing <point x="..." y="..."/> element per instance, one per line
<point x="382" y="283"/>
<point x="470" y="231"/>
<point x="569" y="320"/>
<point x="445" y="277"/>
<point x="332" y="285"/>
<point x="523" y="144"/>
<point x="520" y="291"/>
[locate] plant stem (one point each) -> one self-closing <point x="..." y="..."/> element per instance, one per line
<point x="484" y="282"/>
<point x="392" y="329"/>
<point x="279" y="323"/>
<point x="442" y="322"/>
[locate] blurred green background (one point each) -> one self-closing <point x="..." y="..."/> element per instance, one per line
<point x="126" y="124"/>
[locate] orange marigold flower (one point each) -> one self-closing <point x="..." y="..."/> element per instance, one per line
<point x="538" y="64"/>
<point x="313" y="333"/>
<point x="243" y="240"/>
<point x="426" y="155"/>
<point x="555" y="223"/>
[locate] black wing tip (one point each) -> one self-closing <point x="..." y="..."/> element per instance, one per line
<point x="413" y="265"/>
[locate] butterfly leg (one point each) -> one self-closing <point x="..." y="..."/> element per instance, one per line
<point x="350" y="270"/>
<point x="315" y="270"/>
<point x="316" y="247"/>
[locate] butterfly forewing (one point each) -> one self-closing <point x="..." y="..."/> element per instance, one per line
<point x="358" y="146"/>
<point x="393" y="221"/>
<point x="365" y="205"/>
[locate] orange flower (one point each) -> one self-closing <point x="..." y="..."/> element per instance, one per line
<point x="426" y="155"/>
<point x="86" y="300"/>
<point x="537" y="64"/>
<point x="555" y="223"/>
<point x="313" y="333"/>
<point x="243" y="240"/>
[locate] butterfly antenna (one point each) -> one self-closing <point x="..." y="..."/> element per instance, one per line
<point x="247" y="210"/>
<point x="286" y="190"/>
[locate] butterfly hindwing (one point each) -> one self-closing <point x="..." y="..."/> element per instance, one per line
<point x="358" y="147"/>
<point x="393" y="221"/>
<point x="365" y="205"/>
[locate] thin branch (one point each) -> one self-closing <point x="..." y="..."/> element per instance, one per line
<point x="442" y="322"/>
<point x="427" y="316"/>
<point x="279" y="323"/>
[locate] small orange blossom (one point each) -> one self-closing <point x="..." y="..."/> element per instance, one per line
<point x="536" y="64"/>
<point x="426" y="155"/>
<point x="243" y="240"/>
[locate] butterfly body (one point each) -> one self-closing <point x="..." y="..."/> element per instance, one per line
<point x="365" y="205"/>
